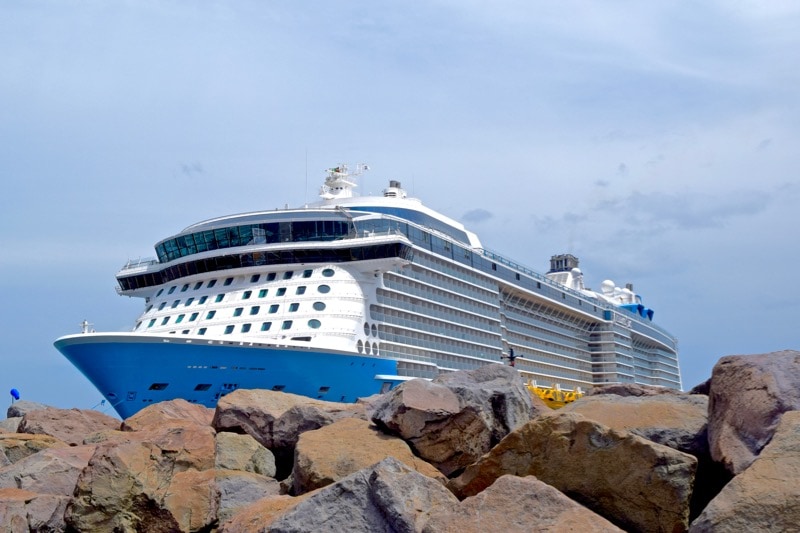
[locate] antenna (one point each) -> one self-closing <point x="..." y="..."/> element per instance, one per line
<point x="305" y="198"/>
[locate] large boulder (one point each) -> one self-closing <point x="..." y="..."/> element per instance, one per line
<point x="22" y="511"/>
<point x="243" y="452"/>
<point x="747" y="397"/>
<point x="766" y="496"/>
<point x="51" y="471"/>
<point x="16" y="446"/>
<point x="518" y="504"/>
<point x="674" y="419"/>
<point x="388" y="496"/>
<point x="328" y="454"/>
<point x="69" y="425"/>
<point x="453" y="420"/>
<point x="238" y="489"/>
<point x="631" y="481"/>
<point x="257" y="517"/>
<point x="276" y="419"/>
<point x="178" y="412"/>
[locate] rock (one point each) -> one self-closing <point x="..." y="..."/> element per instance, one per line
<point x="236" y="490"/>
<point x="747" y="398"/>
<point x="171" y="412"/>
<point x="453" y="420"/>
<point x="23" y="407"/>
<point x="243" y="452"/>
<point x="17" y="446"/>
<point x="123" y="488"/>
<point x="633" y="482"/>
<point x="328" y="454"/>
<point x="518" y="504"/>
<point x="51" y="471"/>
<point x="191" y="501"/>
<point x="677" y="420"/>
<point x="257" y="517"/>
<point x="630" y="389"/>
<point x="69" y="425"/>
<point x="388" y="496"/>
<point x="766" y="496"/>
<point x="10" y="425"/>
<point x="22" y="511"/>
<point x="702" y="388"/>
<point x="276" y="419"/>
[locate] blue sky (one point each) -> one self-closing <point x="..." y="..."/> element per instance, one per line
<point x="656" y="141"/>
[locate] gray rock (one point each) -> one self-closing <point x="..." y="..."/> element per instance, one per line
<point x="243" y="452"/>
<point x="23" y="511"/>
<point x="23" y="407"/>
<point x="766" y="496"/>
<point x="747" y="397"/>
<point x="238" y="489"/>
<point x="10" y="425"/>
<point x="51" y="471"/>
<point x="453" y="420"/>
<point x="388" y="496"/>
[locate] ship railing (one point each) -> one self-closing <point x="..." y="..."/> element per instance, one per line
<point x="139" y="264"/>
<point x="605" y="305"/>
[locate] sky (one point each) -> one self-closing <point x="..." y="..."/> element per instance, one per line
<point x="656" y="141"/>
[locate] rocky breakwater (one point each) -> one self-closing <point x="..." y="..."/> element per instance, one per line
<point x="470" y="451"/>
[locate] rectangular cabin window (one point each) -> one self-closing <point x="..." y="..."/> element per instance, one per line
<point x="172" y="289"/>
<point x="185" y="287"/>
<point x="175" y="304"/>
<point x="262" y="293"/>
<point x="188" y="302"/>
<point x="271" y="276"/>
<point x="219" y="298"/>
<point x="179" y="319"/>
<point x="307" y="273"/>
<point x="288" y="274"/>
<point x="164" y="322"/>
<point x="255" y="309"/>
<point x="245" y="328"/>
<point x="202" y="300"/>
<point x="254" y="278"/>
<point x="211" y="283"/>
<point x="158" y="386"/>
<point x="273" y="308"/>
<point x="193" y="317"/>
<point x="197" y="285"/>
<point x="300" y="290"/>
<point x="287" y="324"/>
<point x="211" y="314"/>
<point x="203" y="386"/>
<point x="246" y="295"/>
<point x="228" y="330"/>
<point x="228" y="281"/>
<point x="281" y="291"/>
<point x="293" y="307"/>
<point x="201" y="331"/>
<point x="265" y="326"/>
<point x="238" y="311"/>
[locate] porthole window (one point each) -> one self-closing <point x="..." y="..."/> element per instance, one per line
<point x="360" y="346"/>
<point x="314" y="323"/>
<point x="319" y="306"/>
<point x="366" y="329"/>
<point x="328" y="272"/>
<point x="367" y="348"/>
<point x="375" y="348"/>
<point x="324" y="289"/>
<point x="374" y="330"/>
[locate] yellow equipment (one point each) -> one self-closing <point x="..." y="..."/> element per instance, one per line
<point x="553" y="396"/>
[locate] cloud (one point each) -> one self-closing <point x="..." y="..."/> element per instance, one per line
<point x="476" y="216"/>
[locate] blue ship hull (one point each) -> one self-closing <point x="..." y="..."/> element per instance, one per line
<point x="134" y="371"/>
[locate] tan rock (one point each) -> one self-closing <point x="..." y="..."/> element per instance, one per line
<point x="748" y="395"/>
<point x="10" y="425"/>
<point x="192" y="501"/>
<point x="631" y="481"/>
<point x="69" y="425"/>
<point x="259" y="515"/>
<point x="170" y="412"/>
<point x="766" y="496"/>
<point x="23" y="511"/>
<point x="518" y="504"/>
<point x="328" y="454"/>
<point x="51" y="471"/>
<point x="243" y="452"/>
<point x="17" y="446"/>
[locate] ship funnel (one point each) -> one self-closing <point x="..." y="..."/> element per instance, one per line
<point x="395" y="190"/>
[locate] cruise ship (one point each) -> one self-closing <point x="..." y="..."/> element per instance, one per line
<point x="351" y="296"/>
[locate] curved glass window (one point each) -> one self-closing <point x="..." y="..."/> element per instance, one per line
<point x="328" y="272"/>
<point x="319" y="306"/>
<point x="324" y="289"/>
<point x="314" y="323"/>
